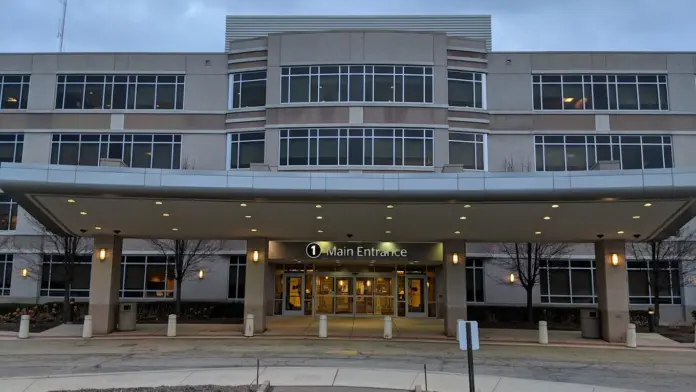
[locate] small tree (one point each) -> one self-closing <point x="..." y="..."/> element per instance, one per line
<point x="186" y="257"/>
<point x="656" y="257"/>
<point x="69" y="248"/>
<point x="524" y="259"/>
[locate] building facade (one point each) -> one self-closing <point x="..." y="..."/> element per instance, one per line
<point x="388" y="140"/>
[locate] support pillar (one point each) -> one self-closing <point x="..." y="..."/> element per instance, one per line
<point x="257" y="277"/>
<point x="612" y="290"/>
<point x="454" y="268"/>
<point x="105" y="283"/>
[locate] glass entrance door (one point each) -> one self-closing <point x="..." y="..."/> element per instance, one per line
<point x="293" y="294"/>
<point x="416" y="295"/>
<point x="344" y="295"/>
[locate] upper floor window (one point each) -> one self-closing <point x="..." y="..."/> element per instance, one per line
<point x="245" y="148"/>
<point x="581" y="152"/>
<point x="150" y="151"/>
<point x="8" y="213"/>
<point x="11" y="147"/>
<point x="467" y="149"/>
<point x="600" y="92"/>
<point x="5" y="273"/>
<point x="357" y="83"/>
<point x="356" y="147"/>
<point x="466" y="89"/>
<point x="248" y="89"/>
<point x="120" y="92"/>
<point x="14" y="91"/>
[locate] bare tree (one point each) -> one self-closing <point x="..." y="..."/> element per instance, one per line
<point x="656" y="257"/>
<point x="69" y="248"/>
<point x="524" y="260"/>
<point x="186" y="258"/>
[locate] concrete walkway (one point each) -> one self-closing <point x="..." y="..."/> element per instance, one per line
<point x="294" y="376"/>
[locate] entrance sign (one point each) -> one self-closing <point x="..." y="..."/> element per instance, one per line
<point x="314" y="250"/>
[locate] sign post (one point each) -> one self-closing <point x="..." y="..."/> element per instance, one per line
<point x="469" y="341"/>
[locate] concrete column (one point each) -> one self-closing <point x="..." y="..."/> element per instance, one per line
<point x="455" y="284"/>
<point x="256" y="280"/>
<point x="105" y="283"/>
<point x="612" y="290"/>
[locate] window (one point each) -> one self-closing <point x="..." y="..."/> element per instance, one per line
<point x="237" y="277"/>
<point x="581" y="152"/>
<point x="600" y="92"/>
<point x="466" y="89"/>
<point x="246" y="148"/>
<point x="54" y="272"/>
<point x="149" y="151"/>
<point x="14" y="91"/>
<point x="357" y="83"/>
<point x="356" y="147"/>
<point x="248" y="89"/>
<point x="11" y="147"/>
<point x="474" y="280"/>
<point x="148" y="276"/>
<point x="567" y="281"/>
<point x="120" y="92"/>
<point x="8" y="213"/>
<point x="5" y="273"/>
<point x="669" y="282"/>
<point x="467" y="149"/>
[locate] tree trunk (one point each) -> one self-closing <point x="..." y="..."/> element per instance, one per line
<point x="178" y="297"/>
<point x="530" y="306"/>
<point x="67" y="307"/>
<point x="529" y="285"/>
<point x="655" y="279"/>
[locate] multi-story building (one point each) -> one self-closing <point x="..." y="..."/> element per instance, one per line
<point x="422" y="148"/>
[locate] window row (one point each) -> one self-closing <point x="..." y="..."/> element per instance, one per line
<point x="582" y="152"/>
<point x="356" y="147"/>
<point x="120" y="92"/>
<point x="466" y="89"/>
<point x="600" y="92"/>
<point x="149" y="151"/>
<point x="14" y="91"/>
<point x="5" y="273"/>
<point x="357" y="83"/>
<point x="467" y="149"/>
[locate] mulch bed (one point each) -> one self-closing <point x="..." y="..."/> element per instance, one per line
<point x="680" y="334"/>
<point x="197" y="388"/>
<point x="33" y="327"/>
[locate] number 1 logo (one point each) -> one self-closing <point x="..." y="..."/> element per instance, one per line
<point x="313" y="250"/>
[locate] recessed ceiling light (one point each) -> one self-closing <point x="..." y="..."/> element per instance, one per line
<point x="547" y="217"/>
<point x="457" y="232"/>
<point x="71" y="201"/>
<point x="248" y="216"/>
<point x="320" y="231"/>
<point x="555" y="206"/>
<point x="388" y="232"/>
<point x="647" y="204"/>
<point x="159" y="203"/>
<point x="243" y="205"/>
<point x="636" y="217"/>
<point x="390" y="206"/>
<point x="620" y="232"/>
<point x="97" y="228"/>
<point x="319" y="217"/>
<point x="83" y="213"/>
<point x="462" y="217"/>
<point x="389" y="218"/>
<point x="467" y="206"/>
<point x="253" y="230"/>
<point x="537" y="232"/>
<point x="165" y="214"/>
<point x="175" y="229"/>
<point x="318" y="206"/>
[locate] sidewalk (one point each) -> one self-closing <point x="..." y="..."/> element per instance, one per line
<point x="294" y="376"/>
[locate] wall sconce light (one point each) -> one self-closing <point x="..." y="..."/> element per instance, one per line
<point x="201" y="274"/>
<point x="614" y="259"/>
<point x="102" y="254"/>
<point x="511" y="279"/>
<point x="25" y="272"/>
<point x="255" y="256"/>
<point x="455" y="258"/>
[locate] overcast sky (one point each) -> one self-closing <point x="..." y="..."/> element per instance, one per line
<point x="199" y="25"/>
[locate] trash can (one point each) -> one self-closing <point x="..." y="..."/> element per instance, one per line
<point x="590" y="324"/>
<point x="127" y="315"/>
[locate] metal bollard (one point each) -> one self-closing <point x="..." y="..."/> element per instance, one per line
<point x="631" y="336"/>
<point x="249" y="326"/>
<point x="171" y="326"/>
<point x="543" y="332"/>
<point x="456" y="330"/>
<point x="323" y="328"/>
<point x="387" y="327"/>
<point x="24" y="327"/>
<point x="87" y="327"/>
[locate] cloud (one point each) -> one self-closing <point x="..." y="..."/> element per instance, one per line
<point x="199" y="25"/>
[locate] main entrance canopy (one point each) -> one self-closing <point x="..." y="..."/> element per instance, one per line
<point x="483" y="207"/>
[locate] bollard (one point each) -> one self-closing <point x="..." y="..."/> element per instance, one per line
<point x="171" y="326"/>
<point x="387" y="327"/>
<point x="543" y="333"/>
<point x="87" y="327"/>
<point x="249" y="326"/>
<point x="323" y="328"/>
<point x="24" y="327"/>
<point x="631" y="336"/>
<point x="456" y="329"/>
